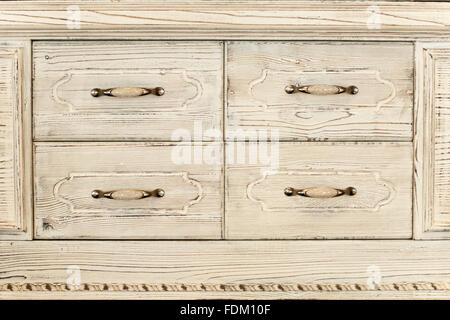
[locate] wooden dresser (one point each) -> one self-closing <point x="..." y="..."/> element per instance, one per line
<point x="224" y="149"/>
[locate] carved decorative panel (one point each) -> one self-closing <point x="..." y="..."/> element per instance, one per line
<point x="14" y="210"/>
<point x="432" y="159"/>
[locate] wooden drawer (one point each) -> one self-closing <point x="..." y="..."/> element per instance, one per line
<point x="66" y="175"/>
<point x="259" y="72"/>
<point x="381" y="173"/>
<point x="65" y="72"/>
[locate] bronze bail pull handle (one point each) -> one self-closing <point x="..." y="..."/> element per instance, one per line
<point x="127" y="92"/>
<point x="320" y="192"/>
<point x="127" y="194"/>
<point x="321" y="89"/>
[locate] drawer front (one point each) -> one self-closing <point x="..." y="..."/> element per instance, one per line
<point x="259" y="73"/>
<point x="114" y="191"/>
<point x="66" y="72"/>
<point x="314" y="176"/>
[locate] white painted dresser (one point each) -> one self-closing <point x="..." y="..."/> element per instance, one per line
<point x="224" y="149"/>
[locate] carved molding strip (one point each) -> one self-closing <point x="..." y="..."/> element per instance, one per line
<point x="107" y="109"/>
<point x="375" y="175"/>
<point x="183" y="175"/>
<point x="205" y="287"/>
<point x="263" y="106"/>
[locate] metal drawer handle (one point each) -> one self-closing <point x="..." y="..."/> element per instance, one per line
<point x="127" y="194"/>
<point x="321" y="89"/>
<point x="320" y="192"/>
<point x="127" y="92"/>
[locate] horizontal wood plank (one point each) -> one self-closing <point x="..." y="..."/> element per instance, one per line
<point x="219" y="19"/>
<point x="174" y="269"/>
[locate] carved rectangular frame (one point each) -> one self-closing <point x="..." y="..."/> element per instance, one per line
<point x="429" y="222"/>
<point x="21" y="227"/>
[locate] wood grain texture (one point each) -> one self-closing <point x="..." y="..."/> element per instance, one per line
<point x="249" y="19"/>
<point x="66" y="72"/>
<point x="223" y="269"/>
<point x="432" y="175"/>
<point x="205" y="269"/>
<point x="15" y="142"/>
<point x="257" y="208"/>
<point x="258" y="72"/>
<point x="66" y="174"/>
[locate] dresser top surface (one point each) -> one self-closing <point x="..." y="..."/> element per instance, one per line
<point x="225" y="20"/>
